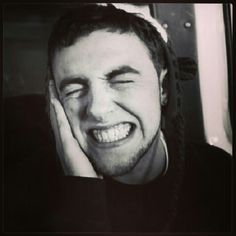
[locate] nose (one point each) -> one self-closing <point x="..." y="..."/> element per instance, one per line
<point x="100" y="104"/>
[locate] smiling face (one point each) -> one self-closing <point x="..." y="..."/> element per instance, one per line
<point x="109" y="89"/>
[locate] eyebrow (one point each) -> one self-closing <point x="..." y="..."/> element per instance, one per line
<point x="121" y="70"/>
<point x="67" y="81"/>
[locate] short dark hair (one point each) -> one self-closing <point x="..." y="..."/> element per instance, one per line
<point x="87" y="18"/>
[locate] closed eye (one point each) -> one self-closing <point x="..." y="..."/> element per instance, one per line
<point x="124" y="78"/>
<point x="122" y="81"/>
<point x="121" y="84"/>
<point x="73" y="90"/>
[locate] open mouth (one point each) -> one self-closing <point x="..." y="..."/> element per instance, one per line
<point x="112" y="134"/>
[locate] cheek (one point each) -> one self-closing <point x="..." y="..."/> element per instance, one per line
<point x="143" y="99"/>
<point x="149" y="110"/>
<point x="144" y="104"/>
<point x="72" y="110"/>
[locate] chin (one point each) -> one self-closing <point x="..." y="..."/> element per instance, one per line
<point x="116" y="165"/>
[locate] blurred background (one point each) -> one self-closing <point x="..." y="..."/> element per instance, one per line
<point x="200" y="33"/>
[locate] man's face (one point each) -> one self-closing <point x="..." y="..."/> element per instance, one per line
<point x="109" y="89"/>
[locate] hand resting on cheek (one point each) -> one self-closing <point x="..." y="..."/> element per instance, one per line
<point x="72" y="158"/>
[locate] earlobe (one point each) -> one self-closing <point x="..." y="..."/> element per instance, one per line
<point x="163" y="89"/>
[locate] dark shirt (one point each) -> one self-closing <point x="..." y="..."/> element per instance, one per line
<point x="38" y="197"/>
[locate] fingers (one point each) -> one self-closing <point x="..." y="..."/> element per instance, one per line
<point x="60" y="116"/>
<point x="53" y="119"/>
<point x="52" y="90"/>
<point x="73" y="159"/>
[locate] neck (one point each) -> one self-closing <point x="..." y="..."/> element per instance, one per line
<point x="150" y="166"/>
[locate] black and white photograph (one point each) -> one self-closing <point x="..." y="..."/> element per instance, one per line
<point x="117" y="118"/>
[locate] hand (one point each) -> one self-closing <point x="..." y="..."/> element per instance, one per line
<point x="72" y="158"/>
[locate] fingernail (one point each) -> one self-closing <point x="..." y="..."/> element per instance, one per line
<point x="51" y="82"/>
<point x="52" y="101"/>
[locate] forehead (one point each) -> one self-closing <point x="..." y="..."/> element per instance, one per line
<point x="99" y="51"/>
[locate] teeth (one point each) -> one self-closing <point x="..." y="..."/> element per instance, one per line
<point x="112" y="134"/>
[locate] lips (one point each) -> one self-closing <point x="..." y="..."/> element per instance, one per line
<point x="112" y="134"/>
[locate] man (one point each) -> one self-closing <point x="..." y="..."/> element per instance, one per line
<point x="115" y="110"/>
<point x="104" y="81"/>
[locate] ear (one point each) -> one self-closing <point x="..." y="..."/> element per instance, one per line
<point x="163" y="89"/>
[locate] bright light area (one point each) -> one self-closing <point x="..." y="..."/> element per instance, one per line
<point x="212" y="62"/>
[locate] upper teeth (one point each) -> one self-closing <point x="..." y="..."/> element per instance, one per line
<point x="112" y="134"/>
